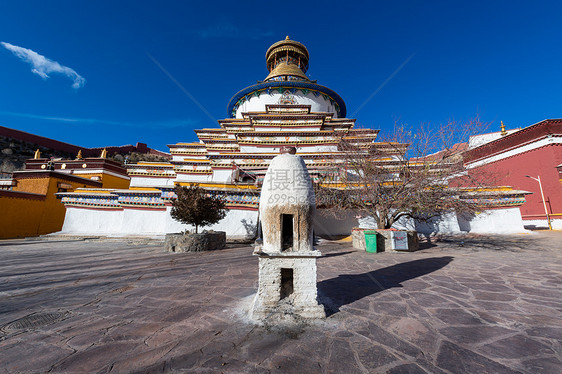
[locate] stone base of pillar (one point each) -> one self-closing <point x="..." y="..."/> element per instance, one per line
<point x="287" y="288"/>
<point x="284" y="311"/>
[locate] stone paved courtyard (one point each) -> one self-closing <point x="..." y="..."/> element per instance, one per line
<point x="464" y="305"/>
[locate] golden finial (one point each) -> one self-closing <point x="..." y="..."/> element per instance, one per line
<point x="37" y="154"/>
<point x="103" y="153"/>
<point x="287" y="37"/>
<point x="502" y="127"/>
<point x="79" y="155"/>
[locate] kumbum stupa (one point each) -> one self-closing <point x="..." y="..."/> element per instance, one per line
<point x="285" y="109"/>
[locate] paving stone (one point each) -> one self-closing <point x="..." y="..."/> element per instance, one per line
<point x="432" y="300"/>
<point x="342" y="359"/>
<point x="138" y="309"/>
<point x="459" y="360"/>
<point x="375" y="356"/>
<point x="143" y="361"/>
<point x="544" y="365"/>
<point x="29" y="356"/>
<point x="406" y="369"/>
<point x="474" y="334"/>
<point x="457" y="316"/>
<point x="515" y="347"/>
<point x="377" y="334"/>
<point x="414" y="331"/>
<point x="493" y="296"/>
<point x="489" y="287"/>
<point x="99" y="357"/>
<point x="546" y="332"/>
<point x="393" y="309"/>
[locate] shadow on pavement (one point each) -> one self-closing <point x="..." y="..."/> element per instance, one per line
<point x="347" y="288"/>
<point x="510" y="243"/>
<point x="17" y="242"/>
<point x="336" y="254"/>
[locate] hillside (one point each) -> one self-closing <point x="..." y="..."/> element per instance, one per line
<point x="14" y="152"/>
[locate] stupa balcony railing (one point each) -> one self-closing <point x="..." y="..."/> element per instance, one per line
<point x="194" y="171"/>
<point x="186" y="145"/>
<point x="219" y="142"/>
<point x="292" y="142"/>
<point x="188" y="153"/>
<point x="212" y="148"/>
<point x="152" y="174"/>
<point x="210" y="139"/>
<point x="191" y="165"/>
<point x="285" y="121"/>
<point x="147" y="166"/>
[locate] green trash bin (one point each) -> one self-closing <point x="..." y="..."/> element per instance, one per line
<point x="370" y="241"/>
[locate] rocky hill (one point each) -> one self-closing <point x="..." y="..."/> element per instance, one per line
<point x="14" y="152"/>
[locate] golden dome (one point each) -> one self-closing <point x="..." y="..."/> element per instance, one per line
<point x="286" y="69"/>
<point x="287" y="47"/>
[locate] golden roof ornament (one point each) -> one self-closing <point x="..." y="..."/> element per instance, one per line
<point x="502" y="127"/>
<point x="37" y="154"/>
<point x="286" y="69"/>
<point x="79" y="155"/>
<point x="289" y="52"/>
<point x="103" y="153"/>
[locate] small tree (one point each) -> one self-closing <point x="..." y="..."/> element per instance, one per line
<point x="194" y="206"/>
<point x="408" y="174"/>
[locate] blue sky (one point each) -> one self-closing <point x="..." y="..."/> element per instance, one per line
<point x="496" y="59"/>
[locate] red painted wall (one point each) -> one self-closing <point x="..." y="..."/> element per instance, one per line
<point x="539" y="162"/>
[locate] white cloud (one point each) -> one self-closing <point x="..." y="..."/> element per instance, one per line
<point x="42" y="66"/>
<point x="167" y="123"/>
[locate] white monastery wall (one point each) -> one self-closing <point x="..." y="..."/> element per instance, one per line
<point x="241" y="224"/>
<point x="143" y="222"/>
<point x="194" y="178"/>
<point x="257" y="104"/>
<point x="92" y="221"/>
<point x="534" y="223"/>
<point x="493" y="221"/>
<point x="447" y="223"/>
<point x="498" y="221"/>
<point x="222" y="175"/>
<point x="238" y="224"/>
<point x="151" y="182"/>
<point x="326" y="225"/>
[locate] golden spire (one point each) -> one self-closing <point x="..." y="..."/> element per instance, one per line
<point x="79" y="155"/>
<point x="502" y="127"/>
<point x="282" y="50"/>
<point x="103" y="153"/>
<point x="37" y="154"/>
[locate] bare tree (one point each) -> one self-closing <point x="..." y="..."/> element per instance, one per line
<point x="196" y="207"/>
<point x="408" y="174"/>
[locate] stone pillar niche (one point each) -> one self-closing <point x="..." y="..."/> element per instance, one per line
<point x="287" y="258"/>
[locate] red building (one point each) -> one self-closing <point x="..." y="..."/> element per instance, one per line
<point x="517" y="158"/>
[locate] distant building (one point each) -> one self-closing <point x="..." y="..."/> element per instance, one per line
<point x="515" y="157"/>
<point x="28" y="199"/>
<point x="110" y="173"/>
